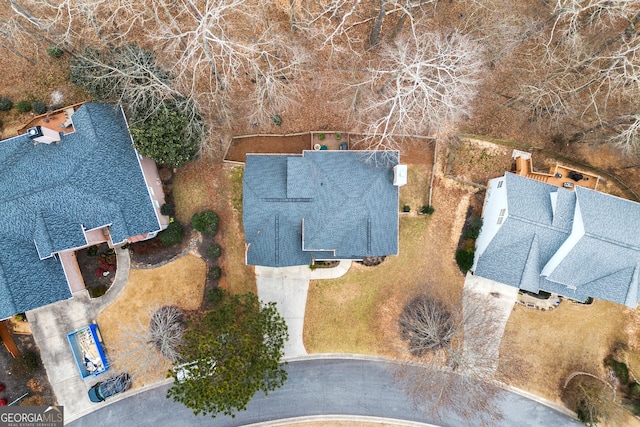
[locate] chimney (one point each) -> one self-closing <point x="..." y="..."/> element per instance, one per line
<point x="43" y="134"/>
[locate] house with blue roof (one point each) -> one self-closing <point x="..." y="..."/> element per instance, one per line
<point x="575" y="242"/>
<point x="59" y="189"/>
<point x="320" y="205"/>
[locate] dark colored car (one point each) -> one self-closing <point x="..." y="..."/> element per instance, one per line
<point x="107" y="388"/>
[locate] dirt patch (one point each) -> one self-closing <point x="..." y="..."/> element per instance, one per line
<point x="36" y="387"/>
<point x="285" y="144"/>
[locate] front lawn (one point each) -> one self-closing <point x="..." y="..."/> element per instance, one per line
<point x="180" y="283"/>
<point x="358" y="313"/>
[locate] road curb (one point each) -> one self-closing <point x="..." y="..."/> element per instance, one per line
<point x="334" y="418"/>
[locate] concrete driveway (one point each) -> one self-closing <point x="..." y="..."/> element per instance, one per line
<point x="51" y="324"/>
<point x="288" y="287"/>
<point x="502" y="298"/>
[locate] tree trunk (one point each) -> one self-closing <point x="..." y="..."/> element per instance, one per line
<point x="374" y="38"/>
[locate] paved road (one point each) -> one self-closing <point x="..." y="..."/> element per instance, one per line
<point x="315" y="387"/>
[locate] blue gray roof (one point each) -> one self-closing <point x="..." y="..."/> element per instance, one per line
<point x="345" y="201"/>
<point x="602" y="263"/>
<point x="49" y="192"/>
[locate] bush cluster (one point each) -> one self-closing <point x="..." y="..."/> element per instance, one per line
<point x="172" y="235"/>
<point x="23" y="106"/>
<point x="39" y="107"/>
<point x="215" y="272"/>
<point x="464" y="259"/>
<point x="55" y="52"/>
<point x="205" y="222"/>
<point x="5" y="104"/>
<point x="214" y="251"/>
<point x="167" y="209"/>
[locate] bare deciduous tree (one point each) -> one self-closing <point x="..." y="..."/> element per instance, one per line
<point x="421" y="85"/>
<point x="454" y="355"/>
<point x="152" y="348"/>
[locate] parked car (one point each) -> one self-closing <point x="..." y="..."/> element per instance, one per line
<point x="107" y="388"/>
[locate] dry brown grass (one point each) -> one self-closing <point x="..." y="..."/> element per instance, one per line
<point x="416" y="194"/>
<point x="179" y="283"/>
<point x="358" y="312"/>
<point x="210" y="184"/>
<point x="573" y="337"/>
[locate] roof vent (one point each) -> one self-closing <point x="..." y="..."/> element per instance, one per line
<point x="399" y="175"/>
<point x="42" y="134"/>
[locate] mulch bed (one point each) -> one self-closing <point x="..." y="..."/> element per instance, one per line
<point x="152" y="252"/>
<point x="37" y="386"/>
<point x="292" y="144"/>
<point x="93" y="266"/>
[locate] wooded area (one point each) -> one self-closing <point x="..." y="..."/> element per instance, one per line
<point x="563" y="72"/>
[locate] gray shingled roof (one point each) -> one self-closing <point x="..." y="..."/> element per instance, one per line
<point x="48" y="192"/>
<point x="347" y="201"/>
<point x="602" y="264"/>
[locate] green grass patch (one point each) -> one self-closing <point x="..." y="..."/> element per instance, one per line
<point x="416" y="193"/>
<point x="344" y="315"/>
<point x="235" y="177"/>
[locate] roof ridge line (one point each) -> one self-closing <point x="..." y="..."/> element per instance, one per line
<point x="613" y="242"/>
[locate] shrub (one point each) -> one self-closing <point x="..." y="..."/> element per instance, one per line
<point x="25" y="365"/>
<point x="473" y="228"/>
<point x="406" y="208"/>
<point x="55" y="52"/>
<point x="39" y="107"/>
<point x="427" y="210"/>
<point x="167" y="209"/>
<point x="214" y="251"/>
<point x="1" y="124"/>
<point x="23" y="106"/>
<point x="634" y="390"/>
<point x="92" y="251"/>
<point x="97" y="291"/>
<point x="276" y="119"/>
<point x="321" y="136"/>
<point x="214" y="272"/>
<point x="205" y="222"/>
<point x="5" y="104"/>
<point x="619" y="368"/>
<point x="167" y="136"/>
<point x="464" y="259"/>
<point x="172" y="235"/>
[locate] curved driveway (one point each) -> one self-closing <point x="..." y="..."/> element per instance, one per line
<point x="315" y="387"/>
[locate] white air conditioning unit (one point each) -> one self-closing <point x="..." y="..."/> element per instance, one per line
<point x="399" y="175"/>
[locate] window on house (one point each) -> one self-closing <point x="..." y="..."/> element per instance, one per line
<point x="156" y="203"/>
<point x="501" y="216"/>
<point x="500" y="184"/>
<point x="151" y="191"/>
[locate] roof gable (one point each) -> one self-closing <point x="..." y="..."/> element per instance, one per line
<point x="50" y="192"/>
<point x="597" y="256"/>
<point x="320" y="205"/>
